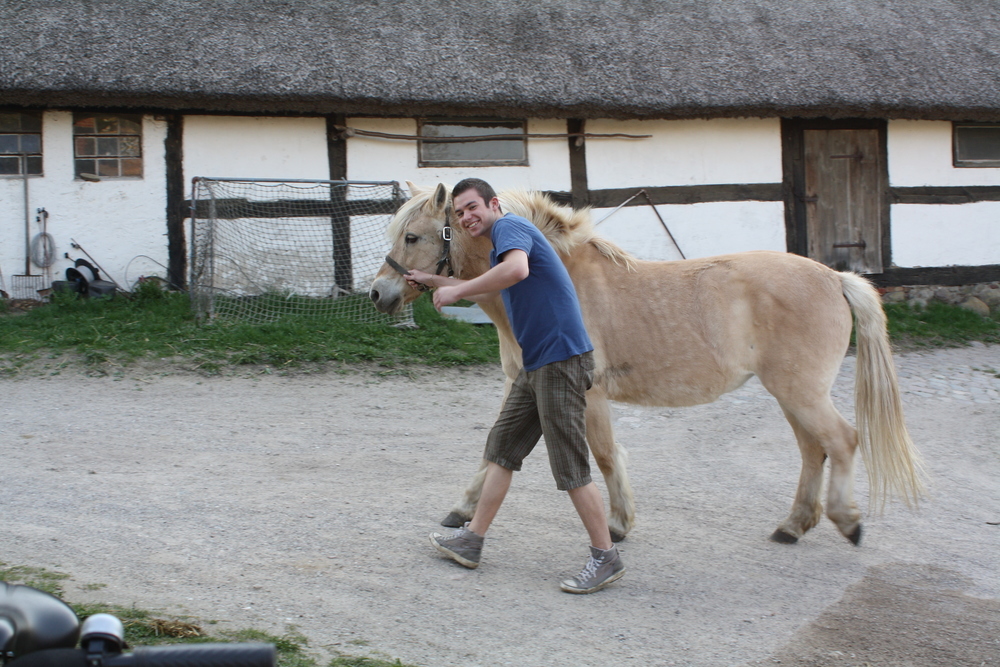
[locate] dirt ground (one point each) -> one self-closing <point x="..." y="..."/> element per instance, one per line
<point x="271" y="501"/>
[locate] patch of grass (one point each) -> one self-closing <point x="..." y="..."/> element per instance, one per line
<point x="939" y="325"/>
<point x="105" y="335"/>
<point x="36" y="577"/>
<point x="152" y="324"/>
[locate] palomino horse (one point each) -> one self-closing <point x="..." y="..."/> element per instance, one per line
<point x="685" y="332"/>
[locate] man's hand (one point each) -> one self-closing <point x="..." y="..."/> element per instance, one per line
<point x="415" y="277"/>
<point x="445" y="296"/>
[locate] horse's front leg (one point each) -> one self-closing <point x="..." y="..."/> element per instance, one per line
<point x="466" y="507"/>
<point x="612" y="459"/>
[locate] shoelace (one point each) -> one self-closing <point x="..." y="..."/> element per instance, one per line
<point x="590" y="569"/>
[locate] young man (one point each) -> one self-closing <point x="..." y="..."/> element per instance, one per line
<point x="549" y="395"/>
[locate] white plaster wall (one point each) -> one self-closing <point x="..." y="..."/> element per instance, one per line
<point x="959" y="235"/>
<point x="684" y="152"/>
<point x="374" y="159"/>
<point x="920" y="153"/>
<point x="255" y="147"/>
<point x="115" y="220"/>
<point x="701" y="230"/>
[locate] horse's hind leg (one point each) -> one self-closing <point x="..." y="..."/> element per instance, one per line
<point x="807" y="508"/>
<point x="822" y="425"/>
<point x="612" y="459"/>
<point x="466" y="507"/>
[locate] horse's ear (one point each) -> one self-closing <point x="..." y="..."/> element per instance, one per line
<point x="413" y="188"/>
<point x="441" y="196"/>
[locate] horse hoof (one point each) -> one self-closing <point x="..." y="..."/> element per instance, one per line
<point x="855" y="535"/>
<point x="784" y="538"/>
<point x="453" y="520"/>
<point x="617" y="537"/>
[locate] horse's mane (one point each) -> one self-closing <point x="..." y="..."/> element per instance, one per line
<point x="405" y="212"/>
<point x="565" y="228"/>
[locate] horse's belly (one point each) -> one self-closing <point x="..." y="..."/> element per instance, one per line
<point x="667" y="387"/>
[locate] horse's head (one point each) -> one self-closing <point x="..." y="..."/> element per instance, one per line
<point x="417" y="243"/>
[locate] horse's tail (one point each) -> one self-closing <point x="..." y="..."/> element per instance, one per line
<point x="893" y="463"/>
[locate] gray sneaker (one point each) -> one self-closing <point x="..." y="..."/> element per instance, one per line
<point x="601" y="569"/>
<point x="463" y="546"/>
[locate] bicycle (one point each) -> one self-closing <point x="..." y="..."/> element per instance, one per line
<point x="40" y="630"/>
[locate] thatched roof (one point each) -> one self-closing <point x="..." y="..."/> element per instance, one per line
<point x="542" y="58"/>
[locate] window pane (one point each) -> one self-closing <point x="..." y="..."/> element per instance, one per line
<point x="107" y="146"/>
<point x="9" y="166"/>
<point x="9" y="144"/>
<point x="130" y="124"/>
<point x="107" y="125"/>
<point x="107" y="167"/>
<point x="84" y="125"/>
<point x="35" y="165"/>
<point x="85" y="147"/>
<point x="476" y="151"/>
<point x="977" y="143"/>
<point x="10" y="122"/>
<point x="129" y="147"/>
<point x="131" y="167"/>
<point x="31" y="121"/>
<point x="86" y="167"/>
<point x="512" y="151"/>
<point x="31" y="143"/>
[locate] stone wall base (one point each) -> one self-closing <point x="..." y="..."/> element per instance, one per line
<point x="982" y="298"/>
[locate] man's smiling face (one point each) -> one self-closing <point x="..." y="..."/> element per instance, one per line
<point x="474" y="214"/>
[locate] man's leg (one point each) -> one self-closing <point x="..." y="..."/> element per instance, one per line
<point x="604" y="565"/>
<point x="590" y="506"/>
<point x="465" y="545"/>
<point x="495" y="488"/>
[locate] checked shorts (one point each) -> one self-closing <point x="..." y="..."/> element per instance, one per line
<point x="548" y="401"/>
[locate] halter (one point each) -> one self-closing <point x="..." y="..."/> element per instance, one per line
<point x="445" y="260"/>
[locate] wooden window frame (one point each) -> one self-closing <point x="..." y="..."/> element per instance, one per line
<point x="961" y="163"/>
<point x="95" y="155"/>
<point x="31" y="162"/>
<point x="472" y="122"/>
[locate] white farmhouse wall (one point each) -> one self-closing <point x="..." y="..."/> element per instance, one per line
<point x="684" y="152"/>
<point x="375" y="159"/>
<point x="953" y="235"/>
<point x="255" y="147"/>
<point x="700" y="230"/>
<point x="116" y="220"/>
<point x="920" y="154"/>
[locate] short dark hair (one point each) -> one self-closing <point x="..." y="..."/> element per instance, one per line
<point x="484" y="189"/>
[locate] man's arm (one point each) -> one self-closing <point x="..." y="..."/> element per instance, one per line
<point x="512" y="269"/>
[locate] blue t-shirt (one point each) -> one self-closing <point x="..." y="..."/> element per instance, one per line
<point x="543" y="309"/>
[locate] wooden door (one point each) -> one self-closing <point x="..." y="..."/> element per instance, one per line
<point x="843" y="198"/>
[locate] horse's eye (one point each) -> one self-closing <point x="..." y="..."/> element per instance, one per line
<point x="411" y="239"/>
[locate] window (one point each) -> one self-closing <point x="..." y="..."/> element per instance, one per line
<point x="20" y="142"/>
<point x="976" y="145"/>
<point x="107" y="145"/>
<point x="461" y="148"/>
